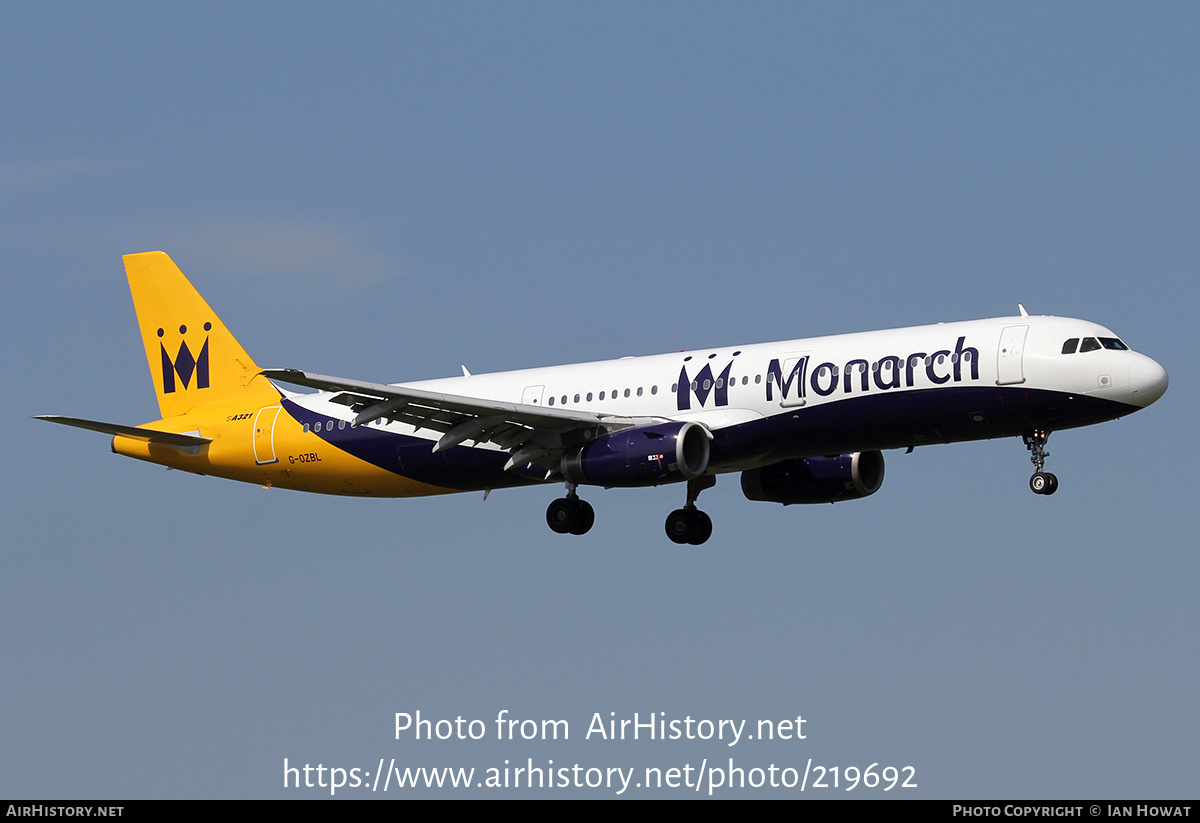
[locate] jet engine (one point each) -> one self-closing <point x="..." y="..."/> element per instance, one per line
<point x="816" y="479"/>
<point x="645" y="456"/>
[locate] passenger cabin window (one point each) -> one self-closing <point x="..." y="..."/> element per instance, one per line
<point x="1070" y="346"/>
<point x="1089" y="344"/>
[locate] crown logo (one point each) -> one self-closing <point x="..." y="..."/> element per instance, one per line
<point x="184" y="364"/>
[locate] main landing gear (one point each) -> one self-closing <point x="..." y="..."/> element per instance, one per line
<point x="689" y="524"/>
<point x="570" y="515"/>
<point x="1041" y="482"/>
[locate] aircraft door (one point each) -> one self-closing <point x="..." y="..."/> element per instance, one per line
<point x="790" y="383"/>
<point x="1009" y="368"/>
<point x="532" y="396"/>
<point x="264" y="435"/>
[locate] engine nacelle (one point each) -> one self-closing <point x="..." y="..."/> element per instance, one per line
<point x="816" y="479"/>
<point x="645" y="456"/>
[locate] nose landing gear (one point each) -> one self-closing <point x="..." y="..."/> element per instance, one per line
<point x="1042" y="482"/>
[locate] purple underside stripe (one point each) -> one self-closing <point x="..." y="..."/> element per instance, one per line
<point x="461" y="467"/>
<point x="882" y="420"/>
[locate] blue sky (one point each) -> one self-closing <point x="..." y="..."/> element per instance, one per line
<point x="393" y="190"/>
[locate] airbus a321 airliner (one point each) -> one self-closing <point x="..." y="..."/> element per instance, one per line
<point x="803" y="421"/>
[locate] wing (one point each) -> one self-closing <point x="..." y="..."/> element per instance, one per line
<point x="532" y="434"/>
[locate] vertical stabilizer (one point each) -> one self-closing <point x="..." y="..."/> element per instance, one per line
<point x="194" y="360"/>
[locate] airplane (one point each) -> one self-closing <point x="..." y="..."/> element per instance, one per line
<point x="803" y="421"/>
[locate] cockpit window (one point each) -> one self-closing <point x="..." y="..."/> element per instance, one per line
<point x="1070" y="346"/>
<point x="1089" y="344"/>
<point x="1113" y="343"/>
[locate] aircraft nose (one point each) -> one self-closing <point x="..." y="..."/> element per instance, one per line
<point x="1147" y="380"/>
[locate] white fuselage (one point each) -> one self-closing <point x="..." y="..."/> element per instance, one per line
<point x="823" y="395"/>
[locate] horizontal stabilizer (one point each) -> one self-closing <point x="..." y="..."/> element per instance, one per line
<point x="170" y="438"/>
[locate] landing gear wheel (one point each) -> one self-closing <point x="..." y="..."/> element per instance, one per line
<point x="585" y="516"/>
<point x="570" y="515"/>
<point x="559" y="515"/>
<point x="679" y="526"/>
<point x="689" y="526"/>
<point x="1043" y="483"/>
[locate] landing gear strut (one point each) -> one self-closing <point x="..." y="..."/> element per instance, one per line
<point x="570" y="515"/>
<point x="1041" y="482"/>
<point x="689" y="524"/>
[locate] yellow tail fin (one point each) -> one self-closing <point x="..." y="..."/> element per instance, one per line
<point x="193" y="358"/>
